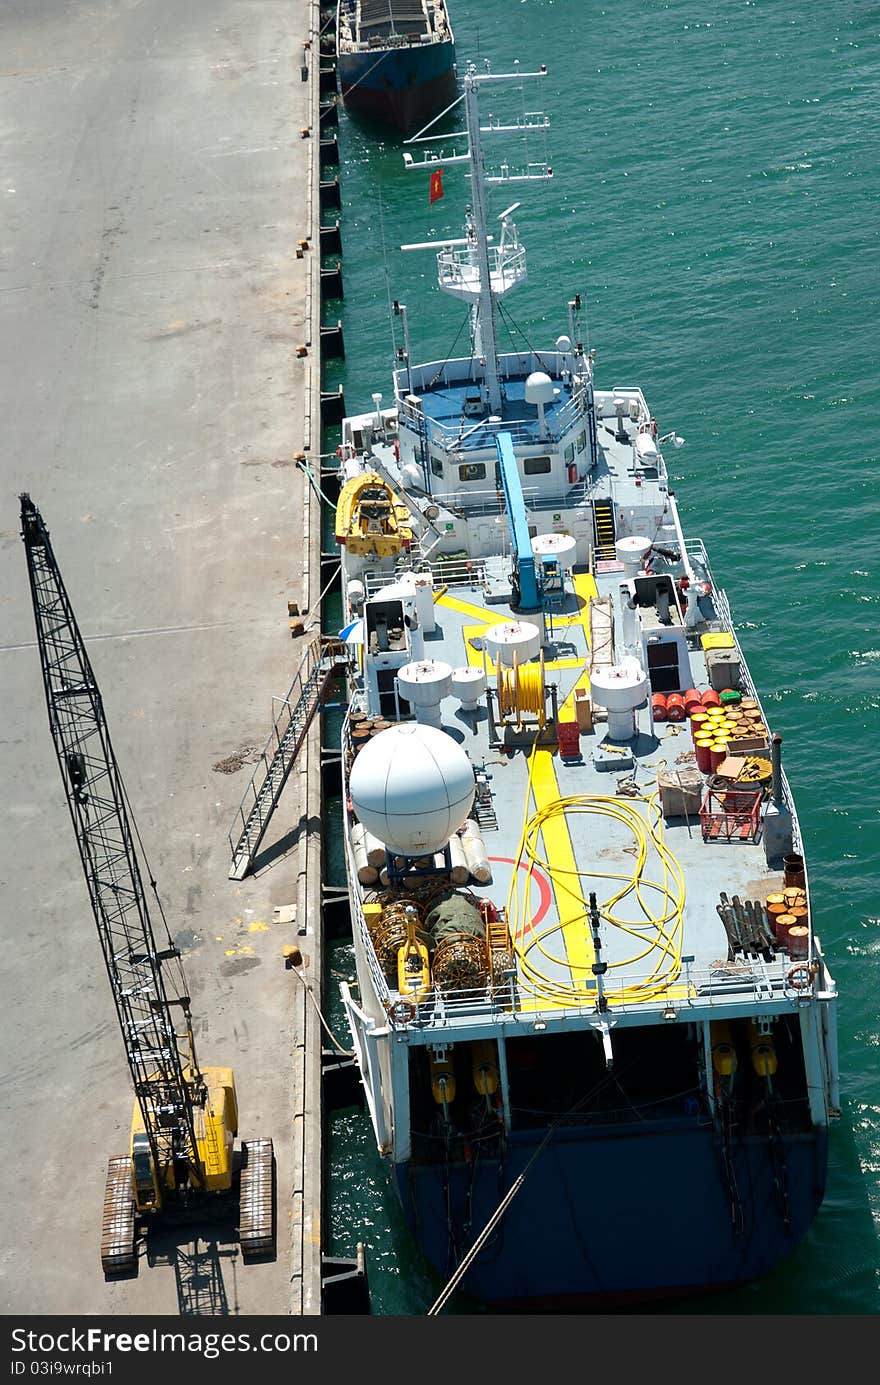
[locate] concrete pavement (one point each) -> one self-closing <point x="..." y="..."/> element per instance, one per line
<point x="150" y="401"/>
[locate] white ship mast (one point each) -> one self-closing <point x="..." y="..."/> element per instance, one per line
<point x="472" y="268"/>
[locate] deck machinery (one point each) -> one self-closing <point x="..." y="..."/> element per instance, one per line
<point x="181" y="1163"/>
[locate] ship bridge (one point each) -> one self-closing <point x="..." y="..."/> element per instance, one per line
<point x="442" y="402"/>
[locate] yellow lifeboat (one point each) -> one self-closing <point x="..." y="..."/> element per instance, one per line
<point x="371" y="518"/>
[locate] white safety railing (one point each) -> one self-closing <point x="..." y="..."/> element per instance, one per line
<point x="741" y="982"/>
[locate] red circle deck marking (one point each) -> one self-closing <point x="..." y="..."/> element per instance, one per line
<point x="544" y="890"/>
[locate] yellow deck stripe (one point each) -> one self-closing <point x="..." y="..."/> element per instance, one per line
<point x="584" y="587"/>
<point x="559" y="854"/>
<point x="475" y="656"/>
<point x="466" y="609"/>
<point x="567" y="708"/>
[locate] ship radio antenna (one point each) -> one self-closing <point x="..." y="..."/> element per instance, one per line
<point x="480" y="273"/>
<point x="485" y="343"/>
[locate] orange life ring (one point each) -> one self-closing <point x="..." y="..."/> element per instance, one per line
<point x="798" y="971"/>
<point x="402" y="1012"/>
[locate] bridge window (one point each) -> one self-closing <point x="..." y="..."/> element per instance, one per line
<point x="581" y="441"/>
<point x="472" y="471"/>
<point x="436" y="465"/>
<point x="569" y="454"/>
<point x="536" y="466"/>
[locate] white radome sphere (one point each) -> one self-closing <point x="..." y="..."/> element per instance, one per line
<point x="412" y="786"/>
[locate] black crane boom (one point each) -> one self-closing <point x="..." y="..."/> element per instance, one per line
<point x="166" y="1078"/>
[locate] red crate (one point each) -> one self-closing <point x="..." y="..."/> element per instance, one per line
<point x="730" y="815"/>
<point x="568" y="736"/>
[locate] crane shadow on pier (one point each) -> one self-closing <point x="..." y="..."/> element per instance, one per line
<point x="196" y="1256"/>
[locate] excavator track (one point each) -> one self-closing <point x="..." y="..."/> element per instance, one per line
<point x="256" y="1217"/>
<point x="118" y="1252"/>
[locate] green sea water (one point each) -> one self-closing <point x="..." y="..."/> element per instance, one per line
<point x="715" y="201"/>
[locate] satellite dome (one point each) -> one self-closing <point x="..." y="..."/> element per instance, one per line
<point x="539" y="388"/>
<point x="412" y="786"/>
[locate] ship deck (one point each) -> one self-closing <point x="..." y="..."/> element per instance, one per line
<point x="569" y="827"/>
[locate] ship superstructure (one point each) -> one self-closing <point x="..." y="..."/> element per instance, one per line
<point x="595" y="1026"/>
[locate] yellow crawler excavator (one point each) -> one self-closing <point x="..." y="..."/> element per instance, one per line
<point x="182" y="1159"/>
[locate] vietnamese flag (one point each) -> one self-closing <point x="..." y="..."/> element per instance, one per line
<point x="436" y="186"/>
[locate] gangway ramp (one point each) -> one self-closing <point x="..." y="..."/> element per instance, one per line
<point x="322" y="660"/>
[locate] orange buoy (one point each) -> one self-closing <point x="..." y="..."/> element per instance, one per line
<point x="675" y="707"/>
<point x="693" y="698"/>
<point x="658" y="706"/>
<point x="710" y="698"/>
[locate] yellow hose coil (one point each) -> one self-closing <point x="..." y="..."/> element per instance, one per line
<point x="666" y="925"/>
<point x="521" y="690"/>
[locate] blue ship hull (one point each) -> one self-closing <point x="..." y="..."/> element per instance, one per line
<point x="608" y="1221"/>
<point x="403" y="86"/>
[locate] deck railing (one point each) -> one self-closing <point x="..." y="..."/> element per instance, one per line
<point x="726" y="984"/>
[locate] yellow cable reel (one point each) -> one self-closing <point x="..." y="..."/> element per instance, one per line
<point x="521" y="690"/>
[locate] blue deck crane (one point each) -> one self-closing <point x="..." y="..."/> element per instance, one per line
<point x="525" y="581"/>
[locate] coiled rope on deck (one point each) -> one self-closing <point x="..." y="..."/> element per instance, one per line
<point x="663" y="919"/>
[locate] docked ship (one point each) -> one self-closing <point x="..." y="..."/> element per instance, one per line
<point x="395" y="59"/>
<point x="594" y="1023"/>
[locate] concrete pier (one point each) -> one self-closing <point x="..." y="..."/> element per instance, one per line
<point x="152" y="402"/>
